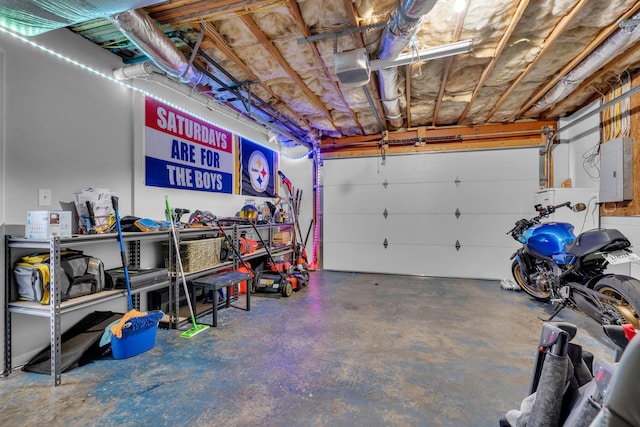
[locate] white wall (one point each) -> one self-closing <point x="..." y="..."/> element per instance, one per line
<point x="569" y="162"/>
<point x="577" y="144"/>
<point x="300" y="174"/>
<point x="65" y="129"/>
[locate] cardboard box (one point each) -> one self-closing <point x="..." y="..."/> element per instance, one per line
<point x="44" y="224"/>
<point x="282" y="238"/>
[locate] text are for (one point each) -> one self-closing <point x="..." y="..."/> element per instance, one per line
<point x="187" y="153"/>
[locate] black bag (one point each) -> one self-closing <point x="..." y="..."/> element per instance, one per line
<point x="138" y="277"/>
<point x="83" y="275"/>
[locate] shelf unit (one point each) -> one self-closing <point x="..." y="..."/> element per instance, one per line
<point x="233" y="233"/>
<point x="56" y="308"/>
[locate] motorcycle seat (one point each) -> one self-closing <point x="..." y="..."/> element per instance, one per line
<point x="598" y="239"/>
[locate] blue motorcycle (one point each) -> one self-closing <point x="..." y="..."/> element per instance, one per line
<point x="569" y="271"/>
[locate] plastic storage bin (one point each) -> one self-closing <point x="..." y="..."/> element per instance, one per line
<point x="134" y="341"/>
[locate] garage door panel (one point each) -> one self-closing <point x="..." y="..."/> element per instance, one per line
<point x="470" y="197"/>
<point x="494" y="190"/>
<point x="426" y="229"/>
<point x="498" y="166"/>
<point x="353" y="256"/>
<point x="353" y="173"/>
<point x="359" y="199"/>
<point x="395" y="259"/>
<point x="473" y="229"/>
<point x="356" y="228"/>
<point x="419" y="198"/>
<point x="496" y="197"/>
<point x="436" y="167"/>
<point x="430" y="260"/>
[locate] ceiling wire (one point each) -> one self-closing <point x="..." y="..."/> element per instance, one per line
<point x="616" y="122"/>
<point x="591" y="161"/>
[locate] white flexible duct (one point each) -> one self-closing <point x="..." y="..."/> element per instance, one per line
<point x="138" y="27"/>
<point x="150" y="72"/>
<point x="142" y="30"/>
<point x="401" y="28"/>
<point x="621" y="40"/>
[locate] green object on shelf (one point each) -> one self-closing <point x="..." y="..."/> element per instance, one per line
<point x="196" y="329"/>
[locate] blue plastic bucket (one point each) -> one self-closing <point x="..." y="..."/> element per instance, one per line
<point x="134" y="341"/>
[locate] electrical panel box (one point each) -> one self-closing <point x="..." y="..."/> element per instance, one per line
<point x="616" y="170"/>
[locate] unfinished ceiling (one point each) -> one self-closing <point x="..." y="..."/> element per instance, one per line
<point x="274" y="60"/>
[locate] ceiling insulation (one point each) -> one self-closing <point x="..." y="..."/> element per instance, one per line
<point x="34" y="17"/>
<point x="281" y="51"/>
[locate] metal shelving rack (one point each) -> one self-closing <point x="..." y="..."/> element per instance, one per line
<point x="57" y="308"/>
<point x="233" y="232"/>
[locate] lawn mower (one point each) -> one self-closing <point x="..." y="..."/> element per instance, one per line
<point x="281" y="278"/>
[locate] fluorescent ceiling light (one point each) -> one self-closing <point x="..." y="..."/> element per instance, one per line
<point x="423" y="55"/>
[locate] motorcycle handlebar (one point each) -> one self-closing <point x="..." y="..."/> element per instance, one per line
<point x="543" y="212"/>
<point x="548" y="210"/>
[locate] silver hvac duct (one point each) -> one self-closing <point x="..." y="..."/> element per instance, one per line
<point x="621" y="40"/>
<point x="152" y="73"/>
<point x="138" y="27"/>
<point x="397" y="35"/>
<point x="142" y="30"/>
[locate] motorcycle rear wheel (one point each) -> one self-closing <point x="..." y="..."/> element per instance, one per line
<point x="523" y="281"/>
<point x="626" y="292"/>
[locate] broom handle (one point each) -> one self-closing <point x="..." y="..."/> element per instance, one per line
<point x="179" y="261"/>
<point x="114" y="203"/>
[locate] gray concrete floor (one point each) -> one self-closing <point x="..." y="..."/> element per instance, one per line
<point x="348" y="350"/>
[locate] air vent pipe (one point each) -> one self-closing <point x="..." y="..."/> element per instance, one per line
<point x="620" y="41"/>
<point x="141" y="29"/>
<point x="397" y="35"/>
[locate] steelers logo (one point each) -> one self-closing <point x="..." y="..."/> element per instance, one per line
<point x="258" y="171"/>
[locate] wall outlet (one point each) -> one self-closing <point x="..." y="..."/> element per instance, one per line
<point x="44" y="197"/>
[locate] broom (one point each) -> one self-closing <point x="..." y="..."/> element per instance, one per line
<point x="133" y="319"/>
<point x="196" y="329"/>
<point x="123" y="255"/>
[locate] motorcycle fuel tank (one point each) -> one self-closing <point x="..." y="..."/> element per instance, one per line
<point x="550" y="238"/>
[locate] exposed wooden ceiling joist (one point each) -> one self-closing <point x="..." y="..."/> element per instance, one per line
<point x="292" y="5"/>
<point x="506" y="36"/>
<point x="218" y="41"/>
<point x="603" y="35"/>
<point x="521" y="50"/>
<point x="182" y="12"/>
<point x="449" y="61"/>
<point x="273" y="50"/>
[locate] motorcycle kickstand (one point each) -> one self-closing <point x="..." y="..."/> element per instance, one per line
<point x="557" y="310"/>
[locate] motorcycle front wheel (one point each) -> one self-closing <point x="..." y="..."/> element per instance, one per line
<point x="522" y="280"/>
<point x="626" y="293"/>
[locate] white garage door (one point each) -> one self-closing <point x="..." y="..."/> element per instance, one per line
<point x="438" y="214"/>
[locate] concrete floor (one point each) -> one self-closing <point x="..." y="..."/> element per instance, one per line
<point x="348" y="350"/>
